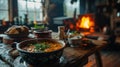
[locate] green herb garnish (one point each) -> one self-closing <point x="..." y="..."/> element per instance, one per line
<point x="40" y="27"/>
<point x="41" y="46"/>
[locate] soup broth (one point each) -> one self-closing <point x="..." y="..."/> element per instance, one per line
<point x="43" y="47"/>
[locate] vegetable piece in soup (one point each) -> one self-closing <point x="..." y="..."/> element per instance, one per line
<point x="43" y="47"/>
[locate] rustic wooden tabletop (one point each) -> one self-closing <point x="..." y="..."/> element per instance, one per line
<point x="72" y="56"/>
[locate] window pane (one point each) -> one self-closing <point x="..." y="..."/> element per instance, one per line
<point x="30" y="6"/>
<point x="37" y="1"/>
<point x="34" y="9"/>
<point x="4" y="15"/>
<point x="4" y="9"/>
<point x="22" y="14"/>
<point x="31" y="16"/>
<point x="35" y="16"/>
<point x="69" y="8"/>
<point x="38" y="6"/>
<point x="41" y="15"/>
<point x="4" y="4"/>
<point x="22" y="5"/>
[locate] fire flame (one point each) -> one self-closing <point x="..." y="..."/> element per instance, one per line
<point x="85" y="22"/>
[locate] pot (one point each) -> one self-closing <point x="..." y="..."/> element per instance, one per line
<point x="40" y="58"/>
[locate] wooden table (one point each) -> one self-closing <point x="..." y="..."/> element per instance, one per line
<point x="79" y="54"/>
<point x="72" y="56"/>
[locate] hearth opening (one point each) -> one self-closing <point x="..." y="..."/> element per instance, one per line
<point x="84" y="23"/>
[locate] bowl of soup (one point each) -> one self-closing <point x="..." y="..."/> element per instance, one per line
<point x="40" y="51"/>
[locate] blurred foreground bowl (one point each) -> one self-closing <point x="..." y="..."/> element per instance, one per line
<point x="39" y="58"/>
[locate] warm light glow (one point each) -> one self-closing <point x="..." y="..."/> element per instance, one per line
<point x="85" y="22"/>
<point x="92" y="29"/>
<point x="35" y="22"/>
<point x="71" y="26"/>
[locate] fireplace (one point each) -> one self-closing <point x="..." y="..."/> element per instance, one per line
<point x="84" y="23"/>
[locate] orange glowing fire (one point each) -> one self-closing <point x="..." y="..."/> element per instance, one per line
<point x="71" y="26"/>
<point x="85" y="22"/>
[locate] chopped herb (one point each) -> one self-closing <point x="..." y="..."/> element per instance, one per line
<point x="40" y="27"/>
<point x="41" y="46"/>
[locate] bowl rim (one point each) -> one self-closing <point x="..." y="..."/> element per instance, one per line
<point x="47" y="31"/>
<point x="59" y="41"/>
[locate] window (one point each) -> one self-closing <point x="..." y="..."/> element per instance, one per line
<point x="4" y="10"/>
<point x="69" y="8"/>
<point x="33" y="8"/>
